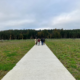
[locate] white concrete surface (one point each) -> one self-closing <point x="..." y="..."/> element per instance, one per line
<point x="39" y="64"/>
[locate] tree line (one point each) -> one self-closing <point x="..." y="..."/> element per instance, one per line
<point x="31" y="34"/>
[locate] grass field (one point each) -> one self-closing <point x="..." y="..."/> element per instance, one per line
<point x="11" y="52"/>
<point x="68" y="52"/>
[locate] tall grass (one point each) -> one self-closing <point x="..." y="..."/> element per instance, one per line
<point x="68" y="52"/>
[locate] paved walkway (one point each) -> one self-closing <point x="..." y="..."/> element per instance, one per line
<point x="39" y="64"/>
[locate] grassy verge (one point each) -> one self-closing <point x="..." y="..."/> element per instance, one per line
<point x="11" y="52"/>
<point x="68" y="52"/>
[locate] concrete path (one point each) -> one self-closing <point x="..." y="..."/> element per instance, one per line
<point x="39" y="64"/>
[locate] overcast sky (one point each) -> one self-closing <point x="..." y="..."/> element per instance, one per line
<point x="39" y="14"/>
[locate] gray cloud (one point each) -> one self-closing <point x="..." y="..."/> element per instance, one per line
<point x="39" y="14"/>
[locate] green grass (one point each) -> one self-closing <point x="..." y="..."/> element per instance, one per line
<point x="6" y="67"/>
<point x="68" y="52"/>
<point x="11" y="52"/>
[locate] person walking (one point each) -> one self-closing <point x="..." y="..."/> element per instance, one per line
<point x="38" y="41"/>
<point x="42" y="41"/>
<point x="35" y="41"/>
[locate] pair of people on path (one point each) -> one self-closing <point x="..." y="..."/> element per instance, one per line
<point x="37" y="41"/>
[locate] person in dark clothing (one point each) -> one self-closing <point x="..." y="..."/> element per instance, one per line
<point x="42" y="41"/>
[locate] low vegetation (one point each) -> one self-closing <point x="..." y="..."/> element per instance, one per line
<point x="68" y="52"/>
<point x="11" y="52"/>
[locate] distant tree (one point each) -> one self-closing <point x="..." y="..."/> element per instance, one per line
<point x="56" y="34"/>
<point x="10" y="37"/>
<point x="29" y="33"/>
<point x="39" y="34"/>
<point x="21" y="36"/>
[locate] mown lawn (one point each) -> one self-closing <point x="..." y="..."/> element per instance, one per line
<point x="68" y="52"/>
<point x="11" y="52"/>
